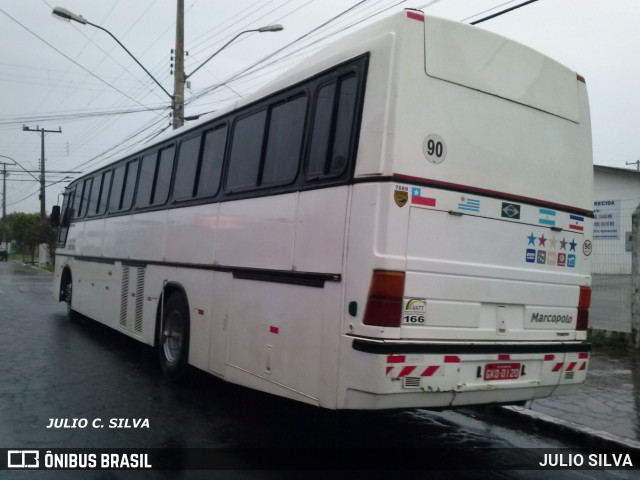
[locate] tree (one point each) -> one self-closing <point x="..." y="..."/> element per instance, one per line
<point x="29" y="230"/>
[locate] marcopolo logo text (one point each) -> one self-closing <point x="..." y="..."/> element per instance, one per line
<point x="551" y="318"/>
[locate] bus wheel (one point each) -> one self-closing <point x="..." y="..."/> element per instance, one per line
<point x="173" y="347"/>
<point x="68" y="295"/>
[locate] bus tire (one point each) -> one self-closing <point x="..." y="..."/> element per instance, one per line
<point x="173" y="344"/>
<point x="67" y="292"/>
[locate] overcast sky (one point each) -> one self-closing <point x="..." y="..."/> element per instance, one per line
<point x="58" y="74"/>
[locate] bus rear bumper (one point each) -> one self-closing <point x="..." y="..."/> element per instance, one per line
<point x="359" y="400"/>
<point x="394" y="374"/>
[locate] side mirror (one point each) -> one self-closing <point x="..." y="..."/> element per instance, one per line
<point x="55" y="216"/>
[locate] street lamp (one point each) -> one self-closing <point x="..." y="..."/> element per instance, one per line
<point x="65" y="14"/>
<point x="269" y="28"/>
<point x="177" y="99"/>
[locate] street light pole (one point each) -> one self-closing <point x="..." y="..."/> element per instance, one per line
<point x="177" y="99"/>
<point x="269" y="28"/>
<point x="65" y="14"/>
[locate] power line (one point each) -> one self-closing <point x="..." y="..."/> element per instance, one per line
<point x="76" y="116"/>
<point x="119" y="144"/>
<point x="502" y="12"/>
<point x="488" y="10"/>
<point x="251" y="70"/>
<point x="23" y="199"/>
<point x="98" y="127"/>
<point x="267" y="57"/>
<point x="70" y="59"/>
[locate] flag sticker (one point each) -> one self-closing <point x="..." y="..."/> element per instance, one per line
<point x="469" y="204"/>
<point x="576" y="223"/>
<point x="418" y="199"/>
<point x="547" y="217"/>
<point x="531" y="255"/>
<point x="511" y="210"/>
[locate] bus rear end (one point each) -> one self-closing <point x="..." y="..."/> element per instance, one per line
<point x="469" y="237"/>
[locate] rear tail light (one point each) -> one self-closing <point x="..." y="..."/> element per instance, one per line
<point x="584" y="301"/>
<point x="384" y="303"/>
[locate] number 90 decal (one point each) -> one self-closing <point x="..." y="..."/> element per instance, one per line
<point x="434" y="148"/>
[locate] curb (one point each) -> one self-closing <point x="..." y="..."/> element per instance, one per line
<point x="609" y="338"/>
<point x="531" y="419"/>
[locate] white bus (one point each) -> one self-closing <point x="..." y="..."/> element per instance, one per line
<point x="404" y="220"/>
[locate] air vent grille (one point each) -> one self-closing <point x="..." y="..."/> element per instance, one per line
<point x="124" y="296"/>
<point x="411" y="382"/>
<point x="139" y="300"/>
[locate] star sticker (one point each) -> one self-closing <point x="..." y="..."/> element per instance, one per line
<point x="573" y="245"/>
<point x="541" y="239"/>
<point x="532" y="239"/>
<point x="552" y="243"/>
<point x="563" y="244"/>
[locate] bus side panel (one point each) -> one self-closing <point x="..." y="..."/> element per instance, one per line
<point x="319" y="244"/>
<point x="283" y="337"/>
<point x="257" y="234"/>
<point x="116" y="237"/>
<point x="93" y="280"/>
<point x="93" y="238"/>
<point x="219" y="318"/>
<point x="191" y="234"/>
<point x="146" y="235"/>
<point x="97" y="280"/>
<point x="275" y="332"/>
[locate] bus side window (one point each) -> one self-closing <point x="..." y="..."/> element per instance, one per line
<point x="246" y="152"/>
<point x="85" y="197"/>
<point x="155" y="176"/>
<point x="284" y="141"/>
<point x="63" y="229"/>
<point x="129" y="184"/>
<point x="147" y="174"/>
<point x="67" y="207"/>
<point x="185" y="182"/>
<point x="332" y="128"/>
<point x="163" y="176"/>
<point x="210" y="169"/>
<point x="77" y="201"/>
<point x="95" y="193"/>
<point x="343" y="125"/>
<point x="104" y="192"/>
<point x="321" y="130"/>
<point x="116" y="190"/>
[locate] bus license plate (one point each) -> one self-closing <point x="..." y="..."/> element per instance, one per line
<point x="502" y="371"/>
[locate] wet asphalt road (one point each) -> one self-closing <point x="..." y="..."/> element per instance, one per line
<point x="51" y="367"/>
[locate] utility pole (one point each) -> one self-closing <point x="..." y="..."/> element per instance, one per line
<point x="42" y="131"/>
<point x="178" y="83"/>
<point x="4" y="192"/>
<point x="4" y="205"/>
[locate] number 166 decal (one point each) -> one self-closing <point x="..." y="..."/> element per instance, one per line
<point x="414" y="311"/>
